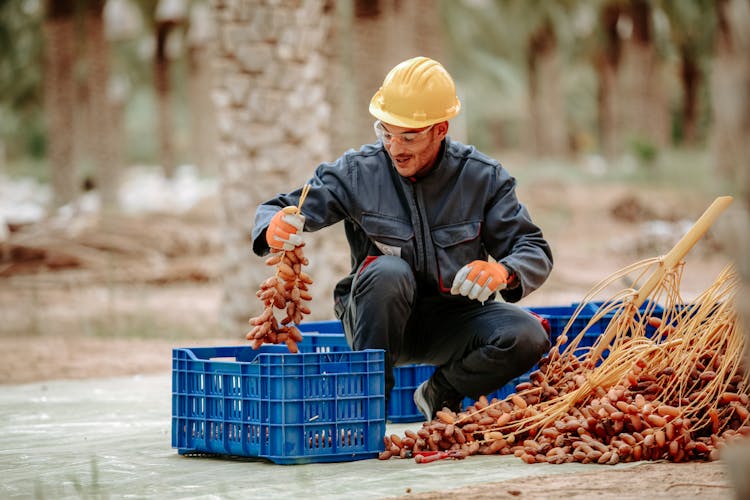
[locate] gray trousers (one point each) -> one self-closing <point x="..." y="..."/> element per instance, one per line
<point x="477" y="347"/>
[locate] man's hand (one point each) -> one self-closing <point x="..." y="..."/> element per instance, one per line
<point x="285" y="230"/>
<point x="480" y="279"/>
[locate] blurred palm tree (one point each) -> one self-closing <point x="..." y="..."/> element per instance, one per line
<point x="605" y="51"/>
<point x="169" y="15"/>
<point x="692" y="30"/>
<point x="21" y="95"/>
<point x="547" y="120"/>
<point x="59" y="96"/>
<point x="77" y="101"/>
<point x="643" y="120"/>
<point x="201" y="40"/>
<point x="99" y="136"/>
<point x="508" y="60"/>
<point x="730" y="85"/>
<point x="372" y="36"/>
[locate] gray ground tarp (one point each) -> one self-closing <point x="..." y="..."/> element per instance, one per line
<point x="110" y="438"/>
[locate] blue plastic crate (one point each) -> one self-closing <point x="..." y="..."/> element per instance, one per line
<point x="323" y="342"/>
<point x="327" y="326"/>
<point x="597" y="329"/>
<point x="686" y="311"/>
<point x="323" y="336"/>
<point x="559" y="317"/>
<point x="401" y="407"/>
<point x="328" y="336"/>
<point x="653" y="309"/>
<point x="269" y="403"/>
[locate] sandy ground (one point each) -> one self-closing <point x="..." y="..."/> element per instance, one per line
<point x="648" y="480"/>
<point x="63" y="329"/>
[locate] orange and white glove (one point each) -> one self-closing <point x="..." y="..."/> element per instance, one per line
<point x="285" y="229"/>
<point x="480" y="279"/>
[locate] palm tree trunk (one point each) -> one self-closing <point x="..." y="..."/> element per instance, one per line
<point x="606" y="63"/>
<point x="644" y="113"/>
<point x="200" y="85"/>
<point x="341" y="88"/>
<point x="163" y="99"/>
<point x="730" y="94"/>
<point x="372" y="36"/>
<point x="690" y="76"/>
<point x="546" y="110"/>
<point x="606" y="97"/>
<point x="100" y="138"/>
<point x="372" y="58"/>
<point x="59" y="99"/>
<point x="273" y="123"/>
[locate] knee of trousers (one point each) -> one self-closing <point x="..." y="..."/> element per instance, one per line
<point x="531" y="341"/>
<point x="386" y="274"/>
<point x="535" y="339"/>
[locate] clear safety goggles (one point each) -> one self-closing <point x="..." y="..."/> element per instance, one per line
<point x="405" y="138"/>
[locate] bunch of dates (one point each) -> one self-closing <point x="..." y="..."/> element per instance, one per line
<point x="286" y="291"/>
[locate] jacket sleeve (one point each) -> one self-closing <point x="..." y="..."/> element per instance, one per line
<point x="512" y="238"/>
<point x="324" y="205"/>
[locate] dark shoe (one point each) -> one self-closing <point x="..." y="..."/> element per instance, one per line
<point x="429" y="398"/>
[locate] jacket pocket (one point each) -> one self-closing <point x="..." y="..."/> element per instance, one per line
<point x="456" y="245"/>
<point x="390" y="235"/>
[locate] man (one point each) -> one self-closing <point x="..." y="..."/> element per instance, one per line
<point x="422" y="215"/>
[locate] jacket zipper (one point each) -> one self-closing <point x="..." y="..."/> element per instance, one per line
<point x="421" y="240"/>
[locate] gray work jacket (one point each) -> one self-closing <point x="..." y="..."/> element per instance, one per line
<point x="464" y="209"/>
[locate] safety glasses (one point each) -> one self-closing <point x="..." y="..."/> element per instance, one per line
<point x="405" y="138"/>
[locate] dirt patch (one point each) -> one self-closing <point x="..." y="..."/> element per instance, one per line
<point x="708" y="481"/>
<point x="26" y="360"/>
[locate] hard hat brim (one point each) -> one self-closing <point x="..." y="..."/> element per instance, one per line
<point x="376" y="110"/>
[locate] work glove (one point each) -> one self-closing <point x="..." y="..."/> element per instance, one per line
<point x="480" y="279"/>
<point x="285" y="229"/>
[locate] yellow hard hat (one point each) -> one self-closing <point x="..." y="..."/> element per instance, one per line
<point x="416" y="93"/>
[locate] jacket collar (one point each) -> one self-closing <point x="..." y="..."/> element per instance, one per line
<point x="438" y="161"/>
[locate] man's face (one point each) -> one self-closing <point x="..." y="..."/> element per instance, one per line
<point x="415" y="153"/>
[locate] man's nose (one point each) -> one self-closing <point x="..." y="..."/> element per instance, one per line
<point x="396" y="146"/>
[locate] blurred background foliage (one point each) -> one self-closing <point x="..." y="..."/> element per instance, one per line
<point x="22" y="127"/>
<point x="130" y="50"/>
<point x="557" y="79"/>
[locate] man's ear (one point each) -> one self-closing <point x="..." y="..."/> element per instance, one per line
<point x="442" y="129"/>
